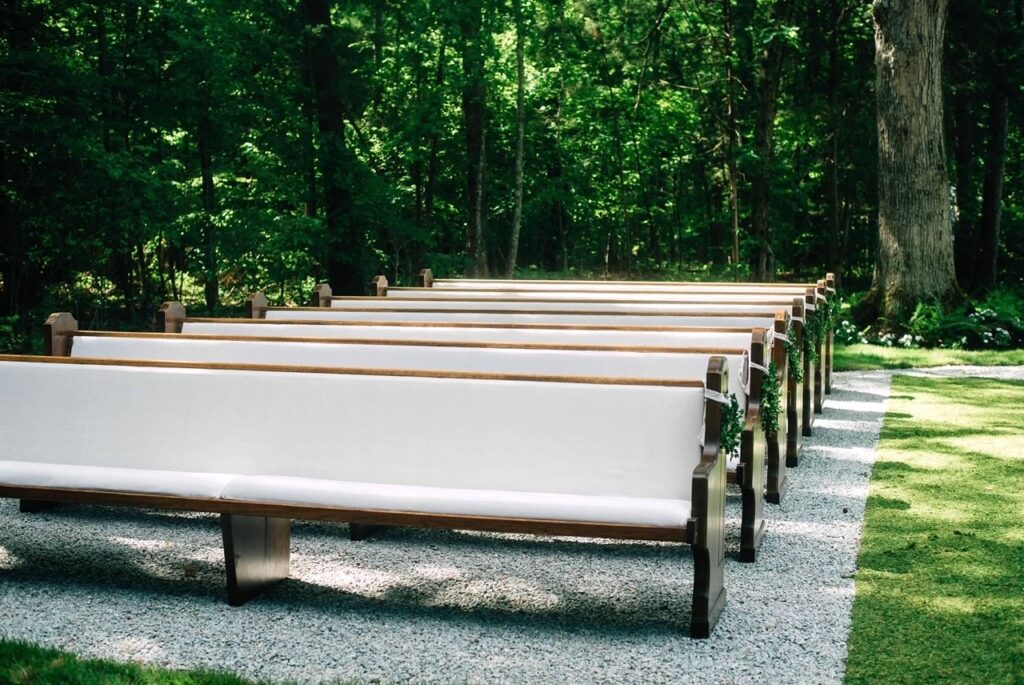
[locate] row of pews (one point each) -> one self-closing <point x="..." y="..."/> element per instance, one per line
<point x="580" y="408"/>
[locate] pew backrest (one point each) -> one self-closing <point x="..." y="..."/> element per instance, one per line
<point x="569" y="435"/>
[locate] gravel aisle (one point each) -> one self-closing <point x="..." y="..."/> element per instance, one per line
<point x="456" y="607"/>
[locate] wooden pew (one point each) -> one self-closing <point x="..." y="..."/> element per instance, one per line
<point x="572" y="288"/>
<point x="621" y="362"/>
<point x="589" y="312"/>
<point x="261" y="445"/>
<point x="799" y="415"/>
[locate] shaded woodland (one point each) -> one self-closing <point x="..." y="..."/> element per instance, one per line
<point x="179" y="149"/>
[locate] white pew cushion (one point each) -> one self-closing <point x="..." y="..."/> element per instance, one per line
<point x="643" y="511"/>
<point x="113" y="479"/>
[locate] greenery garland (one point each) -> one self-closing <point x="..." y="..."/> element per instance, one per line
<point x="771" y="401"/>
<point x="732" y="426"/>
<point x="814" y="335"/>
<point x="796" y="368"/>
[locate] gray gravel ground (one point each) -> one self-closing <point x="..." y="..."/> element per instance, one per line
<point x="459" y="607"/>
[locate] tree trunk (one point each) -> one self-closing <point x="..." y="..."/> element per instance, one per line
<point x="209" y="209"/>
<point x="474" y="95"/>
<point x="517" y="215"/>
<point x="345" y="247"/>
<point x="835" y="254"/>
<point x="915" y="252"/>
<point x="732" y="135"/>
<point x="986" y="272"/>
<point x="764" y="142"/>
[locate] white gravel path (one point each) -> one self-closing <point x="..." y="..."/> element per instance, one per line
<point x="458" y="607"/>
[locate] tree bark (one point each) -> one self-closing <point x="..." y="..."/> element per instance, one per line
<point x="915" y="252"/>
<point x="986" y="267"/>
<point x="474" y="96"/>
<point x="517" y="214"/>
<point x="764" y="143"/>
<point x="732" y="136"/>
<point x="345" y="247"/>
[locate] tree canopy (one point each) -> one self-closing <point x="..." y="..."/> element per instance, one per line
<point x="201" y="150"/>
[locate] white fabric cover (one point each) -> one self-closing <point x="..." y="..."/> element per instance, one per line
<point x="665" y="287"/>
<point x="607" y="307"/>
<point x="527" y="436"/>
<point x="528" y="505"/>
<point x="114" y="479"/>
<point x="654" y="365"/>
<point x="435" y="294"/>
<point x="332" y="314"/>
<point x="473" y="333"/>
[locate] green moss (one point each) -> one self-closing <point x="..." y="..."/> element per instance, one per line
<point x="940" y="580"/>
<point x="867" y="357"/>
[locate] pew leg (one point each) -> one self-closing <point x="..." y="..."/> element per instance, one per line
<point x="360" y="531"/>
<point x="808" y="408"/>
<point x="752" y="490"/>
<point x="777" y="477"/>
<point x="256" y="550"/>
<point x="32" y="506"/>
<point x="794" y="429"/>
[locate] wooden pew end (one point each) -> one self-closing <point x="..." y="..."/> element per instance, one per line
<point x="58" y="332"/>
<point x="170" y="317"/>
<point x="322" y="295"/>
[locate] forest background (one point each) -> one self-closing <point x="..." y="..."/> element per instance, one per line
<point x="204" y="149"/>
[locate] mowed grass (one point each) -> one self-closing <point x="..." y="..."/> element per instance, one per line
<point x="25" y="664"/>
<point x="940" y="580"/>
<point x="867" y="357"/>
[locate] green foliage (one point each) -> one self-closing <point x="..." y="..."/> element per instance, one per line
<point x="939" y="597"/>
<point x="867" y="357"/>
<point x="732" y="426"/>
<point x="815" y="330"/>
<point x="25" y="664"/>
<point x="771" y="400"/>
<point x="793" y="357"/>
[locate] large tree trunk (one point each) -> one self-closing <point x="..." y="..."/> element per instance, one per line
<point x="517" y="215"/>
<point x="345" y="247"/>
<point x="474" y="102"/>
<point x="915" y="252"/>
<point x="764" y="142"/>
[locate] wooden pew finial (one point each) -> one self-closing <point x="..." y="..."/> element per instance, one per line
<point x="425" y="279"/>
<point x="58" y="331"/>
<point x="379" y="286"/>
<point x="170" y="317"/>
<point x="256" y="306"/>
<point x="322" y="295"/>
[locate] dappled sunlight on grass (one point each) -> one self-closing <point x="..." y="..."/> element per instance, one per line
<point x="940" y="581"/>
<point x="867" y="357"/>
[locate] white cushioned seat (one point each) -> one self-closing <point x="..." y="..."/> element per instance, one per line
<point x="644" y="511"/>
<point x="113" y="479"/>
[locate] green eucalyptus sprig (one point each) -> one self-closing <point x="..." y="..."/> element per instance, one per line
<point x="771" y="400"/>
<point x="732" y="426"/>
<point x="796" y="369"/>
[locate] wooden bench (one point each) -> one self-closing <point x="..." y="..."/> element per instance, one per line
<point x="261" y="445"/>
<point x="172" y="318"/>
<point x="826" y="288"/>
<point x="746" y="467"/>
<point x="593" y="313"/>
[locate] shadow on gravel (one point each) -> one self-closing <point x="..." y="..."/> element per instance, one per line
<point x="485" y="594"/>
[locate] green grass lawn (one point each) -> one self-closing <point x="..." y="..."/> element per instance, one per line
<point x="866" y="357"/>
<point x="24" y="664"/>
<point x="940" y="580"/>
